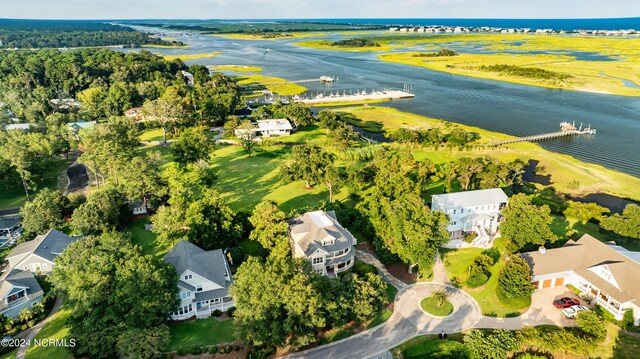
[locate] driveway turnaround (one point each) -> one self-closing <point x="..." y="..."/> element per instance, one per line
<point x="407" y="321"/>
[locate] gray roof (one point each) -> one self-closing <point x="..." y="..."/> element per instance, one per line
<point x="309" y="230"/>
<point x="472" y="198"/>
<point x="47" y="246"/>
<point x="212" y="294"/>
<point x="211" y="265"/>
<point x="18" y="278"/>
<point x="6" y="223"/>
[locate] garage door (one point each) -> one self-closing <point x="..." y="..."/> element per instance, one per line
<point x="547" y="283"/>
<point x="559" y="282"/>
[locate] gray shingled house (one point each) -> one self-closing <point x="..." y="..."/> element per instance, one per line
<point x="19" y="290"/>
<point x="38" y="254"/>
<point x="204" y="278"/>
<point x="318" y="237"/>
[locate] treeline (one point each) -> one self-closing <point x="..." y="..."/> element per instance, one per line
<point x="26" y="34"/>
<point x="441" y="53"/>
<point x="436" y="137"/>
<point x="528" y="72"/>
<point x="357" y="42"/>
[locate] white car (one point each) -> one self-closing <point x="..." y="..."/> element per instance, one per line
<point x="572" y="311"/>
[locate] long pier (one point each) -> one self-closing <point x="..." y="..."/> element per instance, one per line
<point x="566" y="130"/>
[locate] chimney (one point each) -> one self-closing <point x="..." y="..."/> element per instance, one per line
<point x="542" y="250"/>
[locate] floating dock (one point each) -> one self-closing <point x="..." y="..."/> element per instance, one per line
<point x="363" y="96"/>
<point x="566" y="130"/>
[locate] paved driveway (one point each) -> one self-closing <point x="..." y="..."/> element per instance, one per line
<point x="541" y="312"/>
<point x="407" y="321"/>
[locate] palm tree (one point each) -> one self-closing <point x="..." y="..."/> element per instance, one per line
<point x="440" y="297"/>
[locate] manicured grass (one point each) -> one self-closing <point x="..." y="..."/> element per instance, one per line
<point x="14" y="196"/>
<point x="429" y="346"/>
<point x="146" y="239"/>
<point x="430" y="306"/>
<point x="151" y="135"/>
<point x="246" y="181"/>
<point x="276" y="85"/>
<point x="9" y="355"/>
<point x="626" y="347"/>
<point x="54" y="329"/>
<point x="200" y="333"/>
<point x="187" y="57"/>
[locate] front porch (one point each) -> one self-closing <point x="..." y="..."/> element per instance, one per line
<point x="206" y="308"/>
<point x="596" y="296"/>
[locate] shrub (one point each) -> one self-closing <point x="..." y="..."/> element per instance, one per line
<point x="604" y="314"/>
<point x="514" y="280"/>
<point x="627" y="319"/>
<point x="470" y="237"/>
<point x="477" y="280"/>
<point x="483" y="263"/>
<point x="228" y="349"/>
<point x="591" y="324"/>
<point x="216" y="313"/>
<point x="440" y="297"/>
<point x="195" y="350"/>
<point x="213" y="349"/>
<point x="182" y="351"/>
<point x="231" y="311"/>
<point x="493" y="253"/>
<point x="361" y="269"/>
<point x="262" y="352"/>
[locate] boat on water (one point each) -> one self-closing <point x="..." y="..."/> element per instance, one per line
<point x="327" y="79"/>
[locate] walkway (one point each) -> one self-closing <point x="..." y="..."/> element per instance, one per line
<point x="29" y="334"/>
<point x="78" y="178"/>
<point x="440" y="272"/>
<point x="384" y="273"/>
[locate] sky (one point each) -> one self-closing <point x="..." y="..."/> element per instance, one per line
<point x="275" y="9"/>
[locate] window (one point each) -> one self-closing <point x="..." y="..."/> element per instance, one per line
<point x="319" y="271"/>
<point x="462" y="210"/>
<point x="188" y="276"/>
<point x="317" y="260"/>
<point x="25" y="267"/>
<point x="185" y="295"/>
<point x="454" y="211"/>
<point x="199" y="288"/>
<point x="328" y="242"/>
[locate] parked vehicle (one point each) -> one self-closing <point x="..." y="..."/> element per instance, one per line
<point x="565" y="302"/>
<point x="572" y="311"/>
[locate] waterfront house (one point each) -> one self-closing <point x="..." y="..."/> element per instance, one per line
<point x="38" y="254"/>
<point x="19" y="290"/>
<point x="204" y="278"/>
<point x="269" y="128"/>
<point x="605" y="274"/>
<point x="472" y="215"/>
<point x="318" y="237"/>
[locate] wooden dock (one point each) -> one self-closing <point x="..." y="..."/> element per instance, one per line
<point x="566" y="130"/>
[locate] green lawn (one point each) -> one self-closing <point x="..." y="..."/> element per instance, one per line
<point x="200" y="333"/>
<point x="429" y="346"/>
<point x="14" y="196"/>
<point x="566" y="228"/>
<point x="246" y="181"/>
<point x="54" y="329"/>
<point x="9" y="355"/>
<point x="151" y="135"/>
<point x="430" y="306"/>
<point x="146" y="239"/>
<point x="627" y="347"/>
<point x="457" y="263"/>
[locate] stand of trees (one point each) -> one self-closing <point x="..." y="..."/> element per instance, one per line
<point x="436" y="137"/>
<point x="357" y="42"/>
<point x="526" y="224"/>
<point x="627" y="224"/>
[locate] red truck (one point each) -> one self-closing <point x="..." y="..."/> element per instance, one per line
<point x="565" y="302"/>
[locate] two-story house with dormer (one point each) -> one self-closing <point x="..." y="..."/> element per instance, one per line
<point x="19" y="290"/>
<point x="476" y="212"/>
<point x="204" y="278"/>
<point x="607" y="274"/>
<point x="318" y="237"/>
<point x="38" y="254"/>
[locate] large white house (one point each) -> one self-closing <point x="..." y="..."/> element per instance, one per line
<point x="269" y="128"/>
<point x="204" y="278"/>
<point x="472" y="212"/>
<point x="38" y="255"/>
<point x="318" y="237"/>
<point x="606" y="274"/>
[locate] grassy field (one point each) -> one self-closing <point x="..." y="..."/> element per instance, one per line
<point x="14" y="196"/>
<point x="626" y="347"/>
<point x="200" y="333"/>
<point x="430" y="306"/>
<point x="236" y="68"/>
<point x="564" y="169"/>
<point x="146" y="239"/>
<point x="428" y="346"/>
<point x="276" y="85"/>
<point x="54" y="329"/>
<point x="326" y="45"/>
<point x="151" y="135"/>
<point x="246" y="181"/>
<point x="187" y="57"/>
<point x="590" y="76"/>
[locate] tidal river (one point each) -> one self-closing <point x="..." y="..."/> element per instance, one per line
<point x="497" y="106"/>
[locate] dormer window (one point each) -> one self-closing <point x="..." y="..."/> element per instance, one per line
<point x="199" y="288"/>
<point x="188" y="276"/>
<point x="328" y="242"/>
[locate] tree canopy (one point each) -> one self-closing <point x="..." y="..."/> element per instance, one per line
<point x="270" y="229"/>
<point x="525" y="223"/>
<point x="627" y="224"/>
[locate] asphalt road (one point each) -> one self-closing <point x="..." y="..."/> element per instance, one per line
<point x="78" y="177"/>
